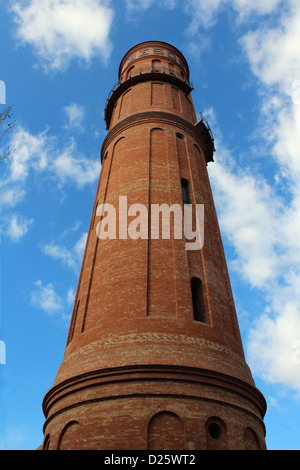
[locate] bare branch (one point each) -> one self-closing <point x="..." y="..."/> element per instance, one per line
<point x="5" y="128"/>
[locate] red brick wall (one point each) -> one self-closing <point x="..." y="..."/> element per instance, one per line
<point x="134" y="348"/>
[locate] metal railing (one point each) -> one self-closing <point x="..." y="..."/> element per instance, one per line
<point x="142" y="74"/>
<point x="151" y="70"/>
<point x="205" y="122"/>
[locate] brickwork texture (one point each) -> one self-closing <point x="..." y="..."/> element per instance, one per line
<point x="154" y="358"/>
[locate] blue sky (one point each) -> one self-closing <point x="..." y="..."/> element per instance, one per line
<point x="59" y="60"/>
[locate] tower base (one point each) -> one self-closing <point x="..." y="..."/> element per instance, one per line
<point x="154" y="408"/>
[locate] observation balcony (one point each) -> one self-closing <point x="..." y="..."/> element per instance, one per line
<point x="163" y="74"/>
<point x="204" y="128"/>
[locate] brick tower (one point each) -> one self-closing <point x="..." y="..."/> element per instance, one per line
<point x="154" y="358"/>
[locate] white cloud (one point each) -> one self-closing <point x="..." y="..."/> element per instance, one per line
<point x="73" y="229"/>
<point x="70" y="296"/>
<point x="145" y="4"/>
<point x="274" y="57"/>
<point x="39" y="156"/>
<point x="139" y="4"/>
<point x="274" y="52"/>
<point x="60" y="253"/>
<point x="273" y="349"/>
<point x="69" y="166"/>
<point x="60" y="30"/>
<point x="264" y="232"/>
<point x="16" y="226"/>
<point x="11" y="196"/>
<point x="244" y="7"/>
<point x="30" y="155"/>
<point x="80" y="246"/>
<point x="30" y="152"/>
<point x="205" y="12"/>
<point x="249" y="218"/>
<point x="45" y="298"/>
<point x="71" y="256"/>
<point x="75" y="114"/>
<point x="262" y="222"/>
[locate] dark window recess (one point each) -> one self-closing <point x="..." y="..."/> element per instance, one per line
<point x="198" y="300"/>
<point x="185" y="191"/>
<point x="215" y="430"/>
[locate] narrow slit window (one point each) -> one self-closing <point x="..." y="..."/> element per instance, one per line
<point x="198" y="300"/>
<point x="185" y="191"/>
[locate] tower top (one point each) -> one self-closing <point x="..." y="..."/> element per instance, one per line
<point x="153" y="48"/>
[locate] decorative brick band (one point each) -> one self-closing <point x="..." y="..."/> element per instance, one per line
<point x="199" y="131"/>
<point x="135" y="374"/>
<point x="114" y="341"/>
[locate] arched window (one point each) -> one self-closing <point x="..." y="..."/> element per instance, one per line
<point x="68" y="436"/>
<point x="185" y="191"/>
<point x="176" y="99"/>
<point x="156" y="65"/>
<point x="216" y="434"/>
<point x="129" y="72"/>
<point x="251" y="440"/>
<point x="166" y="432"/>
<point x="46" y="444"/>
<point x="125" y="105"/>
<point x="198" y="300"/>
<point x="171" y="69"/>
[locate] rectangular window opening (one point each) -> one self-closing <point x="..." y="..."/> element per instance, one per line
<point x="198" y="300"/>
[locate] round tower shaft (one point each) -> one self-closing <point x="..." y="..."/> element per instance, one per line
<point x="154" y="357"/>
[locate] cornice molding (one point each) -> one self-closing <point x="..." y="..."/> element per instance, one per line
<point x="198" y="131"/>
